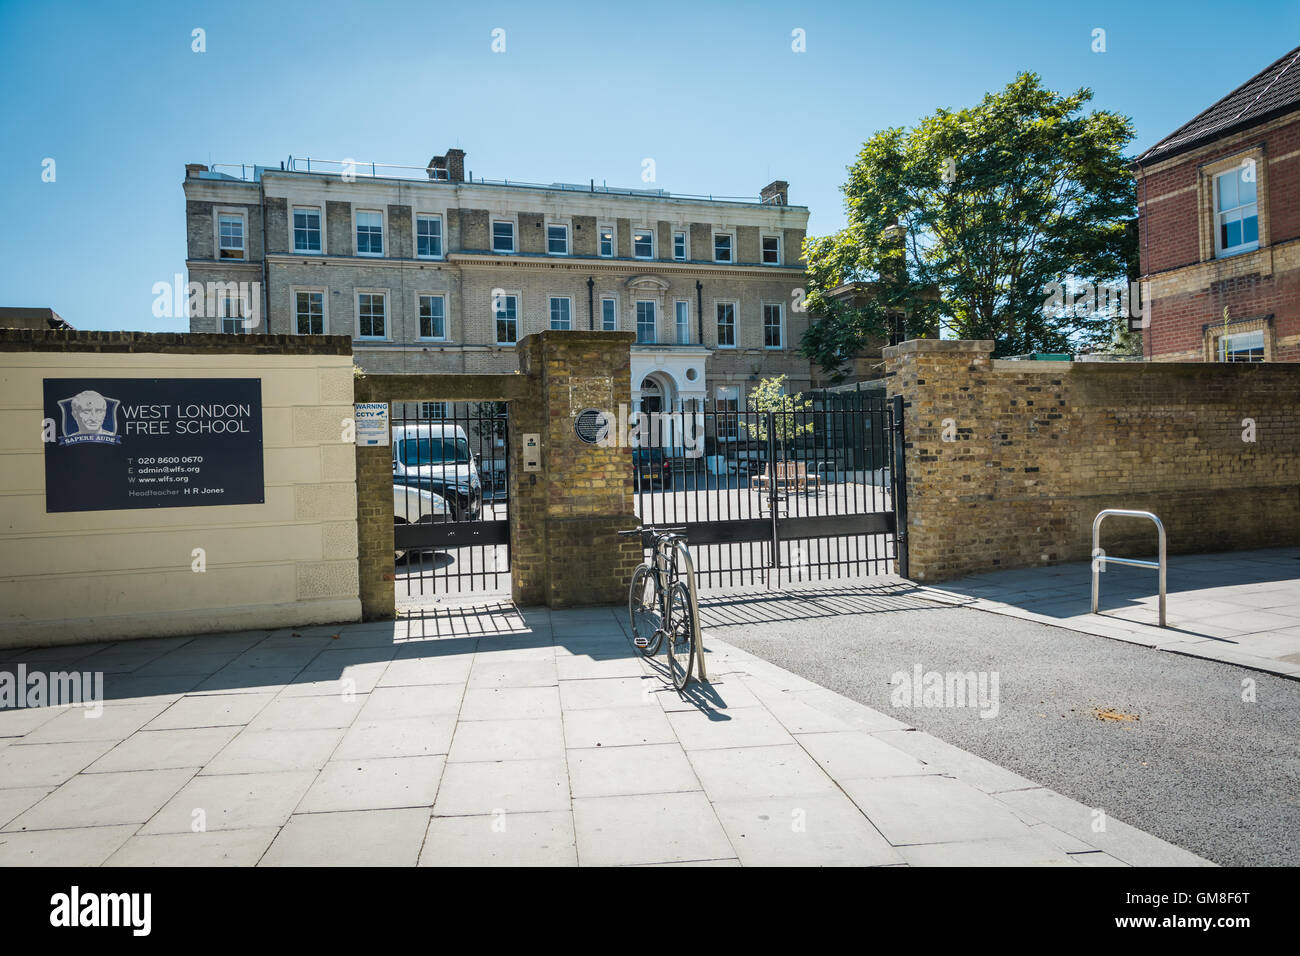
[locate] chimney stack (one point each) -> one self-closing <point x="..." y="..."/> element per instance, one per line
<point x="776" y="193"/>
<point x="448" y="168"/>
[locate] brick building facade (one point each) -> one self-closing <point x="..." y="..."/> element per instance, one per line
<point x="1219" y="221"/>
<point x="430" y="271"/>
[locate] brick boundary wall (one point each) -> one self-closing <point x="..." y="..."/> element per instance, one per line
<point x="289" y="560"/>
<point x="1038" y="448"/>
<point x="564" y="551"/>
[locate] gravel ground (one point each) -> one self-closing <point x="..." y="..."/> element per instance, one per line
<point x="1199" y="766"/>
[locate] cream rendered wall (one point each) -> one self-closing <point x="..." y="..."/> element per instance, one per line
<point x="290" y="561"/>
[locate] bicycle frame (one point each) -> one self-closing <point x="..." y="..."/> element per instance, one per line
<point x="663" y="564"/>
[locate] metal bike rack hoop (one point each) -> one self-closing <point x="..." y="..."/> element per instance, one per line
<point x="1132" y="562"/>
<point x="684" y="555"/>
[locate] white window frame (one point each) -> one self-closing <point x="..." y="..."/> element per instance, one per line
<point x="1221" y="346"/>
<point x="550" y="311"/>
<point x="514" y="235"/>
<point x="1221" y="251"/>
<point x="568" y="238"/>
<point x="419" y="327"/>
<point x="242" y="216"/>
<point x="613" y="240"/>
<point x="383" y="232"/>
<point x="686" y="249"/>
<point x="442" y="235"/>
<point x="238" y="318"/>
<point x="762" y="253"/>
<point x="677" y="320"/>
<point x="427" y="409"/>
<point x="731" y="246"/>
<point x="724" y="393"/>
<point x="735" y="322"/>
<point x="294" y="292"/>
<point x="320" y="219"/>
<point x="780" y="309"/>
<point x="388" y="317"/>
<point x="646" y="232"/>
<point x="654" y="308"/>
<point x="505" y="295"/>
<point x="614" y="300"/>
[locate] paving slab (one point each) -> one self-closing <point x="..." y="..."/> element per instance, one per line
<point x="218" y="848"/>
<point x="104" y="799"/>
<point x="233" y="802"/>
<point x="931" y="809"/>
<point x="510" y="786"/>
<point x="219" y="710"/>
<point x="648" y="828"/>
<point x="48" y="765"/>
<point x="266" y="751"/>
<point x="514" y="839"/>
<point x="400" y="737"/>
<point x="481" y="740"/>
<point x="626" y="771"/>
<point x="84" y="846"/>
<point x="165" y="749"/>
<point x="617" y="727"/>
<point x="373" y="838"/>
<point x="804" y="830"/>
<point x="430" y="700"/>
<point x="1011" y="851"/>
<point x="386" y="783"/>
<point x="1216" y="604"/>
<point x="511" y="703"/>
<point x="744" y="772"/>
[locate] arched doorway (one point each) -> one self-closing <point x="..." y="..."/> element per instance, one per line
<point x="652" y="395"/>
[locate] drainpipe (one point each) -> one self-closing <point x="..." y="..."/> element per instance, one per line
<point x="591" y="304"/>
<point x="699" y="308"/>
<point x="266" y="292"/>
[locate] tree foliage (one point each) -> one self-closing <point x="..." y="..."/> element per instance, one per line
<point x="769" y="396"/>
<point x="997" y="201"/>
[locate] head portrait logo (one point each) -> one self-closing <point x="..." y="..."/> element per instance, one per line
<point x="89" y="417"/>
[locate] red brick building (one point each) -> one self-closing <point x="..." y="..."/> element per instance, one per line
<point x="1219" y="225"/>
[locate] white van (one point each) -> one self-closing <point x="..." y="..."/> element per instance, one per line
<point x="435" y="456"/>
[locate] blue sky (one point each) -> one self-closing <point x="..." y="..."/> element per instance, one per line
<point x="710" y="90"/>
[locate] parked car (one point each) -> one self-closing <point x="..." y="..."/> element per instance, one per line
<point x="650" y="465"/>
<point x="413" y="505"/>
<point x="435" y="456"/>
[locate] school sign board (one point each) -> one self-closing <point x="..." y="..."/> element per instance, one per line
<point x="116" y="443"/>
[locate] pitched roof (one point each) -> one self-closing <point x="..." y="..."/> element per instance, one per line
<point x="1270" y="92"/>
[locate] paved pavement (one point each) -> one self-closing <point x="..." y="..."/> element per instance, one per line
<point x="499" y="736"/>
<point x="1240" y="607"/>
<point x="1197" y="752"/>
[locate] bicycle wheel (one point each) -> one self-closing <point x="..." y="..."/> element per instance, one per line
<point x="643" y="610"/>
<point x="681" y="635"/>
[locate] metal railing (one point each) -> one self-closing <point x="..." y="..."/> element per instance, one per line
<point x="1101" y="558"/>
<point x="367" y="169"/>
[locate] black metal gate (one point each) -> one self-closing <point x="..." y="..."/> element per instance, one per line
<point x="450" y="498"/>
<point x="801" y="493"/>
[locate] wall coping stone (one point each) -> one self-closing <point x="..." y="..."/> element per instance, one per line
<point x="936" y="345"/>
<point x="199" y="343"/>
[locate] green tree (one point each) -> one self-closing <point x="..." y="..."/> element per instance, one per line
<point x="996" y="202"/>
<point x="769" y="396"/>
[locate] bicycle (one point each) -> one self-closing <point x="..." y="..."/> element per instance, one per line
<point x="661" y="604"/>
